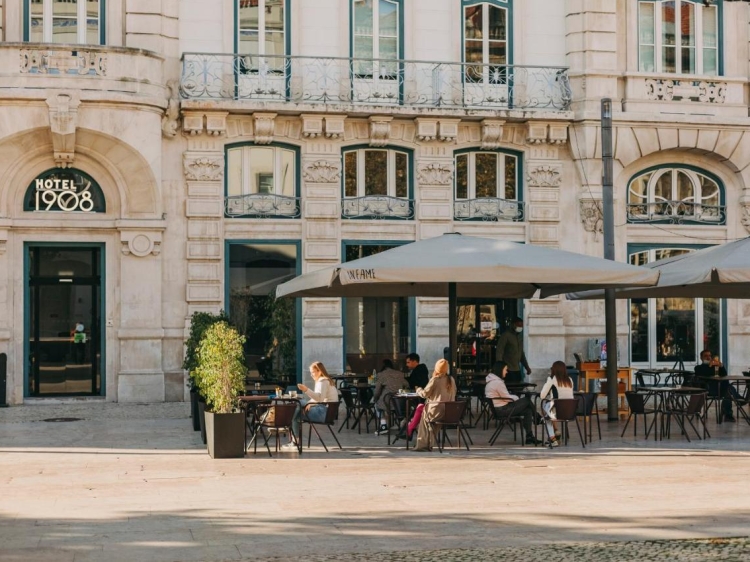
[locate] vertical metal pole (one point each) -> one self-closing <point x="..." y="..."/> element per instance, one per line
<point x="452" y="320"/>
<point x="610" y="308"/>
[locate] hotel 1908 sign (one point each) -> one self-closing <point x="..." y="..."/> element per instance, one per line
<point x="64" y="190"/>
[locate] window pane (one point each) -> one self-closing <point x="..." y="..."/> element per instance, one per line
<point x="388" y="19"/>
<point x="638" y="190"/>
<point x="462" y="176"/>
<point x="669" y="59"/>
<point x="261" y="170"/>
<point x="473" y="22"/>
<point x="675" y="330"/>
<point x="711" y="326"/>
<point x="639" y="330"/>
<point x="665" y="253"/>
<point x="376" y="172"/>
<point x="350" y="174"/>
<point x="249" y="44"/>
<point x="248" y="15"/>
<point x="709" y="191"/>
<point x="234" y="171"/>
<point x="688" y="60"/>
<point x="646" y="35"/>
<point x="389" y="50"/>
<point x="510" y="178"/>
<point x="668" y="23"/>
<point x="36" y="29"/>
<point x="64" y="21"/>
<point x="498" y="53"/>
<point x="92" y="22"/>
<point x="275" y="46"/>
<point x="685" y="189"/>
<point x="363" y="17"/>
<point x="640" y="258"/>
<point x="288" y="176"/>
<point x="710" y="28"/>
<point x="663" y="187"/>
<point x="402" y="175"/>
<point x="486" y="174"/>
<point x="274" y="15"/>
<point x="687" y="24"/>
<point x="498" y="25"/>
<point x="646" y="56"/>
<point x="363" y="50"/>
<point x="710" y="58"/>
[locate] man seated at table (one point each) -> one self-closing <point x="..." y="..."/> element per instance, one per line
<point x="507" y="404"/>
<point x="387" y="381"/>
<point x="711" y="367"/>
<point x="419" y="375"/>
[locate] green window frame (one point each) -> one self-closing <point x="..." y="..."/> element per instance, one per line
<point x="487" y="174"/>
<point x="79" y="22"/>
<point x="376" y="30"/>
<point x="680" y="37"/>
<point x="486" y="38"/>
<point x="262" y="34"/>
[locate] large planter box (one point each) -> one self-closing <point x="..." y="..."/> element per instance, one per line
<point x="226" y="435"/>
<point x="194" y="414"/>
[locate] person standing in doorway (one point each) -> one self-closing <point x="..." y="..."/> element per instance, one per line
<point x="510" y="351"/>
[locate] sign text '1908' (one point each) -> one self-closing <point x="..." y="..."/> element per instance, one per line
<point x="63" y="194"/>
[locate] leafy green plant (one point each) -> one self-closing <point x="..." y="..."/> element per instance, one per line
<point x="220" y="372"/>
<point x="199" y="323"/>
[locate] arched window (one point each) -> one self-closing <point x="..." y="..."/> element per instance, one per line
<point x="64" y="190"/>
<point x="262" y="181"/>
<point x="487" y="185"/>
<point x="676" y="195"/>
<point x="679" y="36"/>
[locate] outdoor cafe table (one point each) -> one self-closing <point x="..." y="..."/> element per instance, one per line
<point x="656" y="374"/>
<point x="253" y="406"/>
<point x="660" y="394"/>
<point x="736" y="381"/>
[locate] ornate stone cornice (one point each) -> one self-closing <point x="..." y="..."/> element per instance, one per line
<point x="264" y="127"/>
<point x="380" y="130"/>
<point x="435" y="173"/>
<point x="63" y="121"/>
<point x="492" y="134"/>
<point x="203" y="168"/>
<point x="322" y="171"/>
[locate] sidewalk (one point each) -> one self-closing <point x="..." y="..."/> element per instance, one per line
<point x="132" y="482"/>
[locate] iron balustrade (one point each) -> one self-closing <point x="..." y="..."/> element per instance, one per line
<point x="262" y="205"/>
<point x="488" y="209"/>
<point x="332" y="80"/>
<point x="676" y="212"/>
<point x="377" y="207"/>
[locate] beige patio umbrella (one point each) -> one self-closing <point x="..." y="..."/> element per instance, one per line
<point x="716" y="272"/>
<point x="455" y="266"/>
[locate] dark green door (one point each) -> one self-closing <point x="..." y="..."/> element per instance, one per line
<point x="64" y="285"/>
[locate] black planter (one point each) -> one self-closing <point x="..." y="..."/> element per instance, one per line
<point x="226" y="435"/>
<point x="194" y="415"/>
<point x="202" y="419"/>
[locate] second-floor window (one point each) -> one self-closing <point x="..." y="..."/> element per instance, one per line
<point x="261" y="170"/>
<point x="261" y="30"/>
<point x="678" y="37"/>
<point x="376" y="172"/>
<point x="486" y="39"/>
<point x="64" y="21"/>
<point x="482" y="175"/>
<point x="376" y="34"/>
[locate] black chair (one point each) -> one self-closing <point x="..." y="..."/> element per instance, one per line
<point x="694" y="409"/>
<point x="453" y="413"/>
<point x="565" y="412"/>
<point x="365" y="408"/>
<point x="347" y="396"/>
<point x="588" y="409"/>
<point x="332" y="414"/>
<point x="277" y="417"/>
<point x="395" y="412"/>
<point x="513" y="418"/>
<point x="637" y="405"/>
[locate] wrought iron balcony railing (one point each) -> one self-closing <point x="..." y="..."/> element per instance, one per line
<point x="676" y="212"/>
<point x="488" y="209"/>
<point x="330" y="80"/>
<point x="377" y="207"/>
<point x="262" y="205"/>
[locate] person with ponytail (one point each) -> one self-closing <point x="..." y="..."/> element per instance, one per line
<point x="441" y="388"/>
<point x="558" y="385"/>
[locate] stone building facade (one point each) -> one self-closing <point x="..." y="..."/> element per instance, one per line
<point x="161" y="157"/>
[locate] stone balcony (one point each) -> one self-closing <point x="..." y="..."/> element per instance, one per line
<point x="301" y="83"/>
<point x="99" y="73"/>
<point x="685" y="95"/>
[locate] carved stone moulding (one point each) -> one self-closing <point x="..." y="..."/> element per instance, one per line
<point x="63" y="61"/>
<point x="547" y="175"/>
<point x="443" y="130"/>
<point x="264" y="127"/>
<point x="328" y="126"/>
<point x="745" y="206"/>
<point x="140" y="244"/>
<point x="380" y="130"/>
<point x="591" y="215"/>
<point x="212" y="123"/>
<point x="435" y="173"/>
<point x="549" y="133"/>
<point x="492" y="134"/>
<point x="203" y="167"/>
<point x="63" y="120"/>
<point x="322" y="171"/>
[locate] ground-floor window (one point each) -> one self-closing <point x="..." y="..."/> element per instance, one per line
<point x="665" y="331"/>
<point x="375" y="328"/>
<point x="270" y="325"/>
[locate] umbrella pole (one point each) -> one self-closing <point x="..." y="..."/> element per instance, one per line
<point x="452" y="320"/>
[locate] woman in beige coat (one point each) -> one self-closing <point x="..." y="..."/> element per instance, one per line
<point x="441" y="388"/>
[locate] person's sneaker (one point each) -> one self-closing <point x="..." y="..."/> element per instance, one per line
<point x="531" y="440"/>
<point x="383" y="429"/>
<point x="290" y="447"/>
<point x="552" y="443"/>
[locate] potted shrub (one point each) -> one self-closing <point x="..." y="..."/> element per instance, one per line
<point x="220" y="374"/>
<point x="199" y="322"/>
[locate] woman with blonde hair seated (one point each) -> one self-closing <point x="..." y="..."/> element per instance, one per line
<point x="441" y="388"/>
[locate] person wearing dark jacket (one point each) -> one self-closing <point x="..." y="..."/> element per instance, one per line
<point x="419" y="375"/>
<point x="711" y="367"/>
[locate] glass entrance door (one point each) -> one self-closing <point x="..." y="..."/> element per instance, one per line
<point x="64" y="314"/>
<point x="480" y="323"/>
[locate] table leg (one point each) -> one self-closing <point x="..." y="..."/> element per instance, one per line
<point x="408" y="419"/>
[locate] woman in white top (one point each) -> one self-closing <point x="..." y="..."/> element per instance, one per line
<point x="558" y="385"/>
<point x="325" y="391"/>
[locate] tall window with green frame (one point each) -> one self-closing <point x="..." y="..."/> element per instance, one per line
<point x="486" y="49"/>
<point x="64" y="21"/>
<point x="262" y="34"/>
<point x="376" y="37"/>
<point x="679" y="37"/>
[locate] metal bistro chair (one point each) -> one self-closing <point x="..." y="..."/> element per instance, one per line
<point x="332" y="414"/>
<point x="512" y="419"/>
<point x="588" y="409"/>
<point x="365" y="407"/>
<point x="453" y="413"/>
<point x="637" y="406"/>
<point x="565" y="412"/>
<point x="350" y="404"/>
<point x="279" y="416"/>
<point x="395" y="413"/>
<point x="694" y="409"/>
